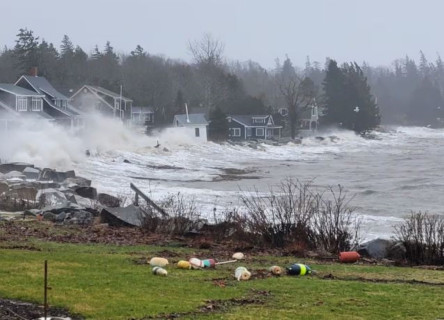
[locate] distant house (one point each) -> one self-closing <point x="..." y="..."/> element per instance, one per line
<point x="142" y="116"/>
<point x="194" y="125"/>
<point x="55" y="104"/>
<point x="244" y="127"/>
<point x="18" y="103"/>
<point x="92" y="98"/>
<point x="309" y="120"/>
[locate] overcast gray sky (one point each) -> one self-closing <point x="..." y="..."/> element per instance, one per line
<point x="376" y="31"/>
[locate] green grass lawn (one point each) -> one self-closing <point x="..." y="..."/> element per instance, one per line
<point x="110" y="282"/>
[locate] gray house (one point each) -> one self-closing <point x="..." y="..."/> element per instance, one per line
<point x="142" y="116"/>
<point x="17" y="103"/>
<point x="55" y="104"/>
<point x="245" y="127"/>
<point x="92" y="98"/>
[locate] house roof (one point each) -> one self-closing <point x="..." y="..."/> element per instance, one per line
<point x="247" y="120"/>
<point x="140" y="109"/>
<point x="41" y="85"/>
<point x="194" y="119"/>
<point x="18" y="91"/>
<point x="102" y="91"/>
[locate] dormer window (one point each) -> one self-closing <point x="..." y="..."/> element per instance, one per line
<point x="259" y="120"/>
<point x="64" y="104"/>
<point x="22" y="104"/>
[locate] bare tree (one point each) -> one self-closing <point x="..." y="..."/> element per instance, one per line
<point x="207" y="51"/>
<point x="297" y="93"/>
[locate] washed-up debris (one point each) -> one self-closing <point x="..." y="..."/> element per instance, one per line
<point x="159" y="271"/>
<point x="241" y="273"/>
<point x="275" y="270"/>
<point x="299" y="269"/>
<point x="349" y="256"/>
<point x="207" y="263"/>
<point x="130" y="216"/>
<point x="158" y="262"/>
<point x="182" y="264"/>
<point x="238" y="256"/>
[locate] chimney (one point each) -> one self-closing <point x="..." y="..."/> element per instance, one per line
<point x="33" y="72"/>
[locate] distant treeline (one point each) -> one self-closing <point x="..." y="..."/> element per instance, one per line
<point x="406" y="93"/>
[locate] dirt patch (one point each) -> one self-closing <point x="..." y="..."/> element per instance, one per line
<point x="18" y="310"/>
<point x="257" y="297"/>
<point x="413" y="281"/>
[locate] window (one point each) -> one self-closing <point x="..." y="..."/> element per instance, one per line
<point x="64" y="104"/>
<point x="258" y="120"/>
<point x="249" y="132"/>
<point x="22" y="104"/>
<point x="116" y="104"/>
<point x="236" y="132"/>
<point x="36" y="104"/>
<point x="259" y="132"/>
<point x="196" y="131"/>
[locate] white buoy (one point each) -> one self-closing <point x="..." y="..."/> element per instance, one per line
<point x="238" y="256"/>
<point x="242" y="273"/>
<point x="158" y="262"/>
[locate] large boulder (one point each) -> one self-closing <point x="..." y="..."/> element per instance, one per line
<point x="23" y="192"/>
<point x="14" y="166"/>
<point x="87" y="192"/>
<point x="108" y="200"/>
<point x="11" y="175"/>
<point x="382" y="249"/>
<point x="56" y="176"/>
<point x="31" y="173"/>
<point x="51" y="197"/>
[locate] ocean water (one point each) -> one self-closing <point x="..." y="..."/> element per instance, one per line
<point x="388" y="177"/>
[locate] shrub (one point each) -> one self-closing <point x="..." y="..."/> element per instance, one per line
<point x="423" y="236"/>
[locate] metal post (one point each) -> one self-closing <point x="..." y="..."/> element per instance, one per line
<point x="45" y="303"/>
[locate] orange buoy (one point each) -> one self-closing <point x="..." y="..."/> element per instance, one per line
<point x="349" y="256"/>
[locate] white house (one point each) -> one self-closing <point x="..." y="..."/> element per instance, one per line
<point x="193" y="125"/>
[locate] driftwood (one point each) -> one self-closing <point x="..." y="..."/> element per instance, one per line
<point x="148" y="200"/>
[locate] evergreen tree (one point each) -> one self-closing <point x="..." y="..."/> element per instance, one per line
<point x="348" y="100"/>
<point x="47" y="60"/>
<point x="26" y="50"/>
<point x="66" y="48"/>
<point x="218" y="127"/>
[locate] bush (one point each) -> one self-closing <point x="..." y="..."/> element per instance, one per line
<point x="423" y="236"/>
<point x="296" y="213"/>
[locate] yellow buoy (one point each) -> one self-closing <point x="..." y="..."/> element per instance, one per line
<point x="182" y="264"/>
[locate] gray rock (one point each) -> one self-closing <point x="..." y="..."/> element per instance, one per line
<point x="76" y="182"/>
<point x="14" y="166"/>
<point x="376" y="249"/>
<point x="56" y="176"/>
<point x="79" y="217"/>
<point x="87" y="192"/>
<point x="14" y="174"/>
<point x="108" y="200"/>
<point x="32" y="212"/>
<point x="23" y="192"/>
<point x="51" y="197"/>
<point x="60" y="217"/>
<point x="49" y="216"/>
<point x="122" y="217"/>
<point x="31" y="173"/>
